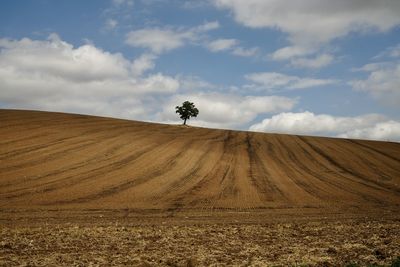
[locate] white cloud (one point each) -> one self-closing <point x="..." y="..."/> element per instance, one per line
<point x="208" y="26"/>
<point x="296" y="55"/>
<point x="370" y="126"/>
<point x="221" y="44"/>
<point x="288" y="52"/>
<point x="309" y="24"/>
<point x="313" y="63"/>
<point x="273" y="80"/>
<point x="53" y="75"/>
<point x="387" y="130"/>
<point x="391" y="52"/>
<point x="160" y="40"/>
<point x="157" y="40"/>
<point x="394" y="51"/>
<point x="383" y="82"/>
<point x="60" y="59"/>
<point x="373" y="66"/>
<point x="142" y="64"/>
<point x="231" y="45"/>
<point x="315" y="21"/>
<point x="219" y="110"/>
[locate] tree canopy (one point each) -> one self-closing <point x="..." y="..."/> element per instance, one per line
<point x="186" y="111"/>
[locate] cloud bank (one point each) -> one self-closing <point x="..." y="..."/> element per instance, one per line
<point x="227" y="110"/>
<point x="54" y="75"/>
<point x="370" y="126"/>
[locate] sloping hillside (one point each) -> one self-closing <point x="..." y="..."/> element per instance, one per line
<point x="55" y="160"/>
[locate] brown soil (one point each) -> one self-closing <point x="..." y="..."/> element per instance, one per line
<point x="73" y="175"/>
<point x="275" y="244"/>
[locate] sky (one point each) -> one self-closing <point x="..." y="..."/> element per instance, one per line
<point x="310" y="67"/>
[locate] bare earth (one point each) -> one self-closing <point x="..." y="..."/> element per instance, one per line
<point x="82" y="190"/>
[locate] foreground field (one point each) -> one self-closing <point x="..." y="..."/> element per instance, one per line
<point x="302" y="243"/>
<point x="89" y="191"/>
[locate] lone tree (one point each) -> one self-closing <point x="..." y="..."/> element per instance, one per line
<point x="186" y="111"/>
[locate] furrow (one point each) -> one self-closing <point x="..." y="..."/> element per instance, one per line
<point x="258" y="173"/>
<point x="361" y="178"/>
<point x="115" y="189"/>
<point x="374" y="150"/>
<point x="86" y="175"/>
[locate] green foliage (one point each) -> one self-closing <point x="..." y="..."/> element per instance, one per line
<point x="186" y="111"/>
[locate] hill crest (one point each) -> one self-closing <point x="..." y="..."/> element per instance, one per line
<point x="68" y="161"/>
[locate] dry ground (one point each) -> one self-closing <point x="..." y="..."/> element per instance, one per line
<point x="182" y="243"/>
<point x="90" y="190"/>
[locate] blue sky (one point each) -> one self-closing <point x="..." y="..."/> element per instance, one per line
<point x="329" y="68"/>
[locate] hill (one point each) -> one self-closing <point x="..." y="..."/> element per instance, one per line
<point x="65" y="161"/>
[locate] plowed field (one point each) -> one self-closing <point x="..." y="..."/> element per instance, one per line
<point x="64" y="161"/>
<point x="92" y="191"/>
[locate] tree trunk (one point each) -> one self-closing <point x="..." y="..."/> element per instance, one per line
<point x="184" y="122"/>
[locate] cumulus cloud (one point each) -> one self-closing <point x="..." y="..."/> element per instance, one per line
<point x="382" y="83"/>
<point x="160" y="40"/>
<point x="370" y="126"/>
<point x="274" y="80"/>
<point x="312" y="23"/>
<point x="219" y="110"/>
<point x="60" y="59"/>
<point x="53" y="75"/>
<point x="142" y="64"/>
<point x="387" y="130"/>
